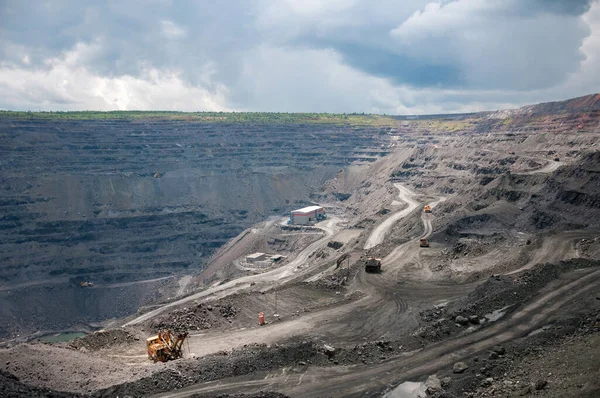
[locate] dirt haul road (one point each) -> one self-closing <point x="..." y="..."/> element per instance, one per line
<point x="404" y="194"/>
<point x="353" y="381"/>
<point x="427" y="219"/>
<point x="385" y="304"/>
<point x="557" y="247"/>
<point x="280" y="275"/>
<point x="385" y="308"/>
<point x="549" y="168"/>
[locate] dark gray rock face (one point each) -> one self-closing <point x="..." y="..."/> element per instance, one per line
<point x="118" y="201"/>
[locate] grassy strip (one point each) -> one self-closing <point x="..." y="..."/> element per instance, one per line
<point x="211" y="117"/>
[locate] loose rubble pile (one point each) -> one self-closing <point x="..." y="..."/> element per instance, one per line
<point x="198" y="317"/>
<point x="530" y="366"/>
<point x="335" y="281"/>
<point x="104" y="339"/>
<point x="10" y="386"/>
<point x="491" y="299"/>
<point x="252" y="358"/>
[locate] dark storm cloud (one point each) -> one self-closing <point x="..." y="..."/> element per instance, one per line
<point x="238" y="46"/>
<point x="400" y="67"/>
<point x="572" y="7"/>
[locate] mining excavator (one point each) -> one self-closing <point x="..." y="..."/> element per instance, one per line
<point x="165" y="346"/>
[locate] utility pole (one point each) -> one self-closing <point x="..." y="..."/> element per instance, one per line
<point x="276" y="315"/>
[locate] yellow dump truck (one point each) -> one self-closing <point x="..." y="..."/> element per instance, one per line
<point x="423" y="242"/>
<point x="427" y="209"/>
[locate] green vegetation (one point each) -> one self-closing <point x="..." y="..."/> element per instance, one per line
<point x="211" y="117"/>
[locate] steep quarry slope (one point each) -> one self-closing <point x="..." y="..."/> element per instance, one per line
<point x="514" y="261"/>
<point x="116" y="202"/>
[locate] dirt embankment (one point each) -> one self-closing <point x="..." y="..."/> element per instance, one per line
<point x="10" y="386"/>
<point x="495" y="298"/>
<point x="104" y="339"/>
<point x="243" y="361"/>
<point x="558" y="361"/>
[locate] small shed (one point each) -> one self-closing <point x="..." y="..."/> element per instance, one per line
<point x="307" y="215"/>
<point x="254" y="257"/>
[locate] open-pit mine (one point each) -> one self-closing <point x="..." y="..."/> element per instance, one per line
<point x="215" y="255"/>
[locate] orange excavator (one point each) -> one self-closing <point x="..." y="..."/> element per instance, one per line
<point x="165" y="346"/>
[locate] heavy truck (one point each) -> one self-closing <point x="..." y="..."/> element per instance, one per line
<point x="373" y="265"/>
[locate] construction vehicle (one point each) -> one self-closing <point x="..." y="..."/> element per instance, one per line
<point x="86" y="284"/>
<point x="423" y="242"/>
<point x="427" y="209"/>
<point x="165" y="346"/>
<point x="373" y="265"/>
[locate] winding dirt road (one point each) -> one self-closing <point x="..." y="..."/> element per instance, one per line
<point x="427" y="218"/>
<point x="549" y="168"/>
<point x="557" y="247"/>
<point x="353" y="381"/>
<point x="377" y="235"/>
<point x="280" y="275"/>
<point x="385" y="305"/>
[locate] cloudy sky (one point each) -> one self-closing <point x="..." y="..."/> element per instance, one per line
<point x="376" y="56"/>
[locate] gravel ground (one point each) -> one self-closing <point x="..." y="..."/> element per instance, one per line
<point x="561" y="361"/>
<point x="250" y="359"/>
<point x="259" y="394"/>
<point x="10" y="386"/>
<point x="104" y="339"/>
<point x="500" y="293"/>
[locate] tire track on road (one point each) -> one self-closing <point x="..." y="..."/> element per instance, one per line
<point x="377" y="235"/>
<point x="280" y="275"/>
<point x="342" y="381"/>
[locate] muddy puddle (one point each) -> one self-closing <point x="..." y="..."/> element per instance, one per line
<point x="61" y="337"/>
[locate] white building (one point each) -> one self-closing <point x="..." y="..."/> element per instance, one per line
<point x="307" y="215"/>
<point x="255" y="257"/>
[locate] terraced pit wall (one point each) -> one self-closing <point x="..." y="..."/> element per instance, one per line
<point x="127" y="204"/>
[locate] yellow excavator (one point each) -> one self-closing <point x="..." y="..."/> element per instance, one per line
<point x="165" y="346"/>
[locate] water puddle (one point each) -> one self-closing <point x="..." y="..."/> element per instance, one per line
<point x="61" y="337"/>
<point x="497" y="314"/>
<point x="408" y="389"/>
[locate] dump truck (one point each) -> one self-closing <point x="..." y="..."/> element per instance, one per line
<point x="423" y="242"/>
<point x="86" y="284"/>
<point x="427" y="209"/>
<point x="373" y="265"/>
<point x="165" y="346"/>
